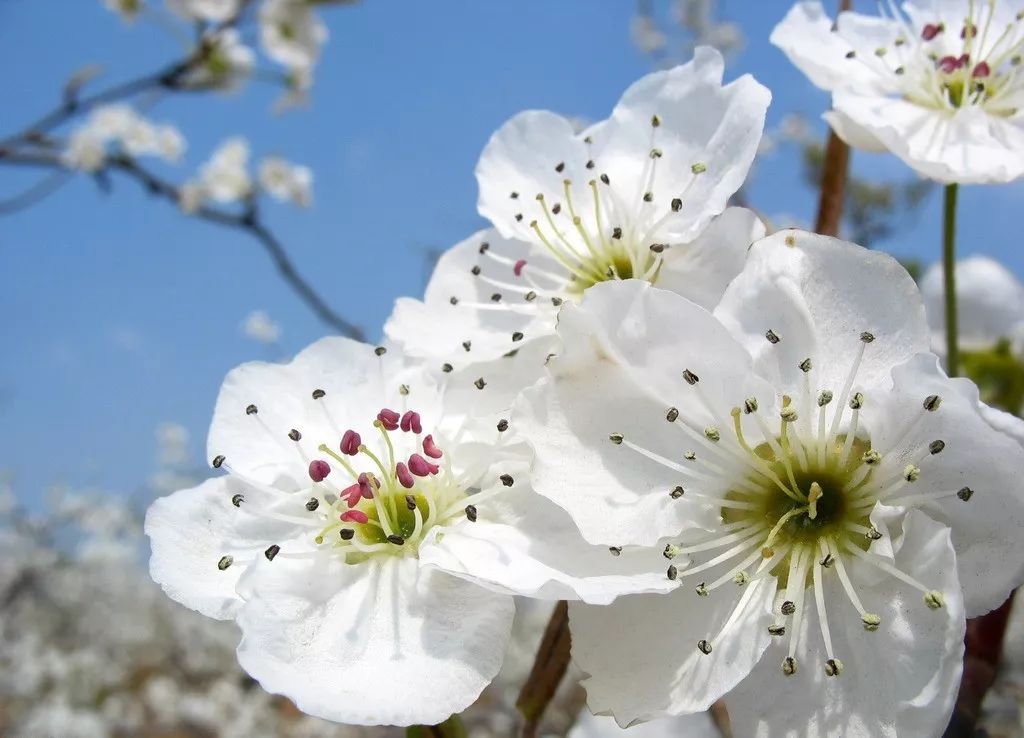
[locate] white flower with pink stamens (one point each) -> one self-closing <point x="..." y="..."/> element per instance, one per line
<point x="641" y="195"/>
<point x="937" y="84"/>
<point x="811" y="477"/>
<point x="363" y="502"/>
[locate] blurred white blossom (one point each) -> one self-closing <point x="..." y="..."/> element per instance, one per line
<point x="122" y="127"/>
<point x="291" y="32"/>
<point x="215" y="11"/>
<point x="225" y="177"/>
<point x="259" y="327"/>
<point x="285" y="181"/>
<point x="228" y="62"/>
<point x="85" y="151"/>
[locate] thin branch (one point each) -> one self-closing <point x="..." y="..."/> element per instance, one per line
<point x="549" y="667"/>
<point x="248" y="222"/>
<point x="833" y="176"/>
<point x="36" y="193"/>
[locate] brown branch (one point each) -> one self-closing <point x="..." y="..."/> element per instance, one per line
<point x="247" y="221"/>
<point x="549" y="667"/>
<point x="833" y="176"/>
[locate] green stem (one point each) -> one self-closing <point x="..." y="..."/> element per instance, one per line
<point x="450" y="728"/>
<point x="949" y="278"/>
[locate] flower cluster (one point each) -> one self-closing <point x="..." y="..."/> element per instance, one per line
<point x="118" y="128"/>
<point x="734" y="454"/>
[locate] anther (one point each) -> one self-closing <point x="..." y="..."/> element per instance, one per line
<point x="496" y="297"/>
<point x="453" y="300"/>
<point x="690" y="377"/>
<point x="935" y="447"/>
<point x="777" y="630"/>
<point x="530" y="296"/>
<point x="828" y="561"/>
<point x="712" y="434"/>
<point x="218" y="460"/>
<point x="789" y="666"/>
<point x="318" y="394"/>
<point x="790" y="240"/>
<point x="237" y="499"/>
<point x="271" y="552"/>
<point x="396" y="540"/>
<point x="704" y="646"/>
<point x="447" y="368"/>
<point x="671" y="573"/>
<point x="824" y="398"/>
<point x="655" y="120"/>
<point x="615" y="438"/>
<point x="225" y="562"/>
<point x="405" y="477"/>
<point x="411" y="421"/>
<point x="467" y="345"/>
<point x="615" y="550"/>
<point x="658" y="248"/>
<point x="347" y="534"/>
<point x="313" y="504"/>
<point x="965" y="493"/>
<point x="471" y="513"/>
<point x="656" y="153"/>
<point x="833" y="667"/>
<point x="772" y="336"/>
<point x="648" y="196"/>
<point x="480" y="383"/>
<point x="750" y="405"/>
<point x="934" y="599"/>
<point x="857" y="401"/>
<point x="517" y="336"/>
<point x="701" y="589"/>
<point x="351" y="441"/>
<point x="475" y="271"/>
<point x="788" y="414"/>
<point x="484" y="247"/>
<point x="699" y="167"/>
<point x="689" y="455"/>
<point x="871" y="457"/>
<point x="589" y="164"/>
<point x="556" y="208"/>
<point x="676" y="492"/>
<point x="354" y="516"/>
<point x="806" y="366"/>
<point x="295" y="435"/>
<point x="932" y="402"/>
<point x="672" y="415"/>
<point x="850" y="54"/>
<point x="388" y="418"/>
<point x="514" y="195"/>
<point x="870" y="621"/>
<point x="911" y="473"/>
<point x="741" y="578"/>
<point x="251" y="410"/>
<point x="380" y="351"/>
<point x="873" y="534"/>
<point x="560" y="167"/>
<point x="502" y="425"/>
<point x="788" y="607"/>
<point x="604" y="178"/>
<point x="671" y="551"/>
<point x="616" y="232"/>
<point x="556" y="301"/>
<point x="507" y="480"/>
<point x="677" y="204"/>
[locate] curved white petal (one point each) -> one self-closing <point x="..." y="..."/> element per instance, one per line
<point x="535" y="550"/>
<point x="192" y="530"/>
<point x="818" y="294"/>
<point x="624" y="352"/>
<point x="357" y="383"/>
<point x="700" y="725"/>
<point x="379" y="643"/>
<point x="898" y="681"/>
<point x="976" y="456"/>
<point x="641" y="654"/>
<point x="853" y="134"/>
<point x="968" y="146"/>
<point x="701" y="270"/>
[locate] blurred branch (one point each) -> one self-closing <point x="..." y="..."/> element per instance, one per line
<point x="248" y="221"/>
<point x="36" y="193"/>
<point x="549" y="667"/>
<point x="833" y="176"/>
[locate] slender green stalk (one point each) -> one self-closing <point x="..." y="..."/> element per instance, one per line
<point x="450" y="728"/>
<point x="949" y="278"/>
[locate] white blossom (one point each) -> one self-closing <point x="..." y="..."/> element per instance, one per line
<point x="811" y="477"/>
<point x="285" y="181"/>
<point x="937" y="85"/>
<point x="85" y="151"/>
<point x="225" y="176"/>
<point x="214" y="11"/>
<point x="228" y="61"/>
<point x="291" y="33"/>
<point x="259" y="326"/>
<point x="641" y="195"/>
<point x="190" y="197"/>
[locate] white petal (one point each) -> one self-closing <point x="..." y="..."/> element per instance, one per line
<point x="700" y="271"/>
<point x="818" y="295"/>
<point x="378" y="643"/>
<point x="898" y="681"/>
<point x="537" y="551"/>
<point x="700" y="725"/>
<point x="625" y="348"/>
<point x="969" y="146"/>
<point x="357" y="384"/>
<point x="436" y="329"/>
<point x="986" y="529"/>
<point x="990" y="301"/>
<point x="854" y="134"/>
<point x="191" y="530"/>
<point x="701" y="122"/>
<point x="807" y="37"/>
<point x="641" y="651"/>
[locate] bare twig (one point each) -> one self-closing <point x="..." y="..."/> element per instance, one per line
<point x="36" y="193"/>
<point x="833" y="176"/>
<point x="549" y="666"/>
<point x="247" y="221"/>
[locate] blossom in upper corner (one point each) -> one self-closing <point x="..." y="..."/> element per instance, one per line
<point x="226" y="64"/>
<point x="214" y="11"/>
<point x="127" y="9"/>
<point x="937" y="85"/>
<point x="641" y="195"/>
<point x="285" y="181"/>
<point x="812" y="478"/>
<point x="356" y="482"/>
<point x="225" y="177"/>
<point x="291" y="32"/>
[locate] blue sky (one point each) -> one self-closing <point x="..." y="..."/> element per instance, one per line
<point x="118" y="314"/>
